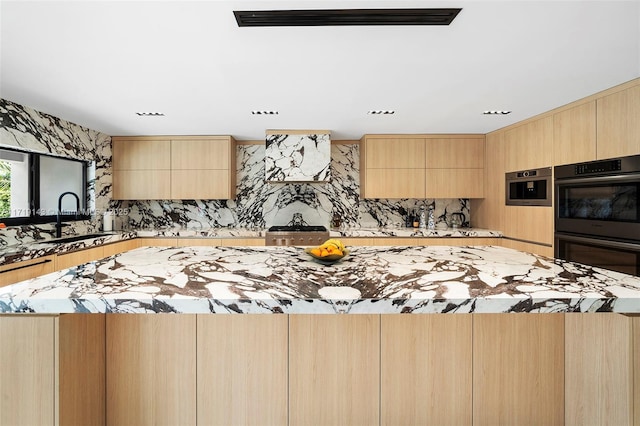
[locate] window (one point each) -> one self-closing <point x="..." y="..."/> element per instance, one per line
<point x="31" y="183"/>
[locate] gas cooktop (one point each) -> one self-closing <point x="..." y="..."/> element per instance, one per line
<point x="297" y="228"/>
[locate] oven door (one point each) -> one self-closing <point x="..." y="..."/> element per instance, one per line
<point x="604" y="206"/>
<point x="614" y="255"/>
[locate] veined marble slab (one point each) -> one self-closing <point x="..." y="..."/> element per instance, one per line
<point x="298" y="157"/>
<point x="415" y="232"/>
<point x="400" y="279"/>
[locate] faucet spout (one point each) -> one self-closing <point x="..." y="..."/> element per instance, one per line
<point x="59" y="213"/>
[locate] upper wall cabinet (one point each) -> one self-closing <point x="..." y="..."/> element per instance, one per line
<point x="298" y="156"/>
<point x="186" y="167"/>
<point x="574" y="134"/>
<point x="529" y="146"/>
<point x="619" y="124"/>
<point x="416" y="166"/>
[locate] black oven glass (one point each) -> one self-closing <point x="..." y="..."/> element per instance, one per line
<point x="529" y="190"/>
<point x="625" y="261"/>
<point x="607" y="202"/>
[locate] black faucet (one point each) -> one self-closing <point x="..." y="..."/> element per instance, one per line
<point x="59" y="214"/>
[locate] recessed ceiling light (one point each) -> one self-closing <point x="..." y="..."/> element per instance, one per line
<point x="150" y="114"/>
<point x="380" y="111"/>
<point x="262" y="112"/>
<point x="496" y="112"/>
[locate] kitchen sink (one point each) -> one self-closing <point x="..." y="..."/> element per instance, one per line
<point x="78" y="238"/>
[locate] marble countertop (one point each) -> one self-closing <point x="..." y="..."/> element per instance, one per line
<point x="399" y="279"/>
<point x="32" y="250"/>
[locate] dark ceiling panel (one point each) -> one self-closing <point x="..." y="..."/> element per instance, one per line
<point x="328" y="17"/>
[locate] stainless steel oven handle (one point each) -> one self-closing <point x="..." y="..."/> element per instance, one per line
<point x="599" y="179"/>
<point x="596" y="241"/>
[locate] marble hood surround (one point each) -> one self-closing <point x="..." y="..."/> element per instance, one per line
<point x="298" y="156"/>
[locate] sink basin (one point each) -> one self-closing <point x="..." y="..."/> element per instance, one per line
<point x="78" y="238"/>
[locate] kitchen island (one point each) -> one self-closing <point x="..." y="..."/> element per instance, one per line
<point x="519" y="332"/>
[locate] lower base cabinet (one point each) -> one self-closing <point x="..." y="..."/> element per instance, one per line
<point x="334" y="369"/>
<point x="447" y="369"/>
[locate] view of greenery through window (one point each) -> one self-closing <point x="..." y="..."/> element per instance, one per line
<point x="5" y="189"/>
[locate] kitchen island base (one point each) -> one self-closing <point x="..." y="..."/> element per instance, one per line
<point x="371" y="369"/>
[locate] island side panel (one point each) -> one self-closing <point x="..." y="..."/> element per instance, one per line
<point x="599" y="375"/>
<point x="426" y="370"/>
<point x="518" y="369"/>
<point x="636" y="370"/>
<point x="151" y="369"/>
<point x="242" y="369"/>
<point x="334" y="369"/>
<point x="27" y="370"/>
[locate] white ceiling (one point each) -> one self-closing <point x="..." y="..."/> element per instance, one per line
<point x="96" y="63"/>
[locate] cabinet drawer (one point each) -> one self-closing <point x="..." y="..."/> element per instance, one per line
<point x="79" y="257"/>
<point x="20" y="271"/>
<point x="395" y="183"/>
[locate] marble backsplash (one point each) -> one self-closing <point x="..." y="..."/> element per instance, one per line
<point x="258" y="204"/>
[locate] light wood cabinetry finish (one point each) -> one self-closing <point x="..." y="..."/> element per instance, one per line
<point x="20" y="271"/>
<point x="532" y="224"/>
<point x="543" y="250"/>
<point x="242" y="369"/>
<point x="518" y="369"/>
<point x="489" y="211"/>
<point x="151" y="369"/>
<point x="157" y="242"/>
<point x="184" y="167"/>
<point x="574" y="134"/>
<point x="636" y="369"/>
<point x="619" y="123"/>
<point x="64" y="261"/>
<point x="27" y="370"/>
<point x="141" y="168"/>
<point x="598" y="383"/>
<point x="334" y="369"/>
<point x="530" y="145"/>
<point x="119" y="247"/>
<point x="82" y="369"/>
<point x="239" y="242"/>
<point x="408" y="166"/>
<point x="426" y="376"/>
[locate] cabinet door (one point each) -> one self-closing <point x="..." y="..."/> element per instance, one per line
<point x="199" y="154"/>
<point x="27" y="370"/>
<point x="518" y="369"/>
<point x="242" y="369"/>
<point x="119" y="247"/>
<point x="239" y="242"/>
<point x="20" y="271"/>
<point x="394" y="183"/>
<point x="534" y="224"/>
<point x="151" y="369"/>
<point x="79" y="257"/>
<point x="201" y="185"/>
<point x="426" y="369"/>
<point x="142" y="184"/>
<point x="598" y="369"/>
<point x="489" y="212"/>
<point x="141" y="154"/>
<point x="619" y="124"/>
<point x="455" y="153"/>
<point x="334" y="369"/>
<point x="530" y="145"/>
<point x="454" y="183"/>
<point x="394" y="153"/>
<point x="157" y="242"/>
<point x="574" y="134"/>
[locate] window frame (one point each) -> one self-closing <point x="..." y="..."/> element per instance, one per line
<point x="33" y="159"/>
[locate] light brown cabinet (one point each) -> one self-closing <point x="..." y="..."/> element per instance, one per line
<point x="619" y="123"/>
<point x="141" y="168"/>
<point x="67" y="260"/>
<point x="530" y="145"/>
<point x="426" y="370"/>
<point x="574" y="134"/>
<point x="20" y="271"/>
<point x="407" y="166"/>
<point x="518" y="369"/>
<point x="151" y="369"/>
<point x="527" y="223"/>
<point x="163" y="167"/>
<point x="242" y="369"/>
<point x="334" y="369"/>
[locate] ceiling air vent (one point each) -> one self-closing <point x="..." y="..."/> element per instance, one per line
<point x="327" y="17"/>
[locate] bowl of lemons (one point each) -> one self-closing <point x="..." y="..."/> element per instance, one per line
<point x="328" y="252"/>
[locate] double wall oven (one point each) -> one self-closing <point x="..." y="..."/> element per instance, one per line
<point x="597" y="215"/>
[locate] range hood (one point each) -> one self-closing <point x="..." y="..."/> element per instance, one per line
<point x="298" y="156"/>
